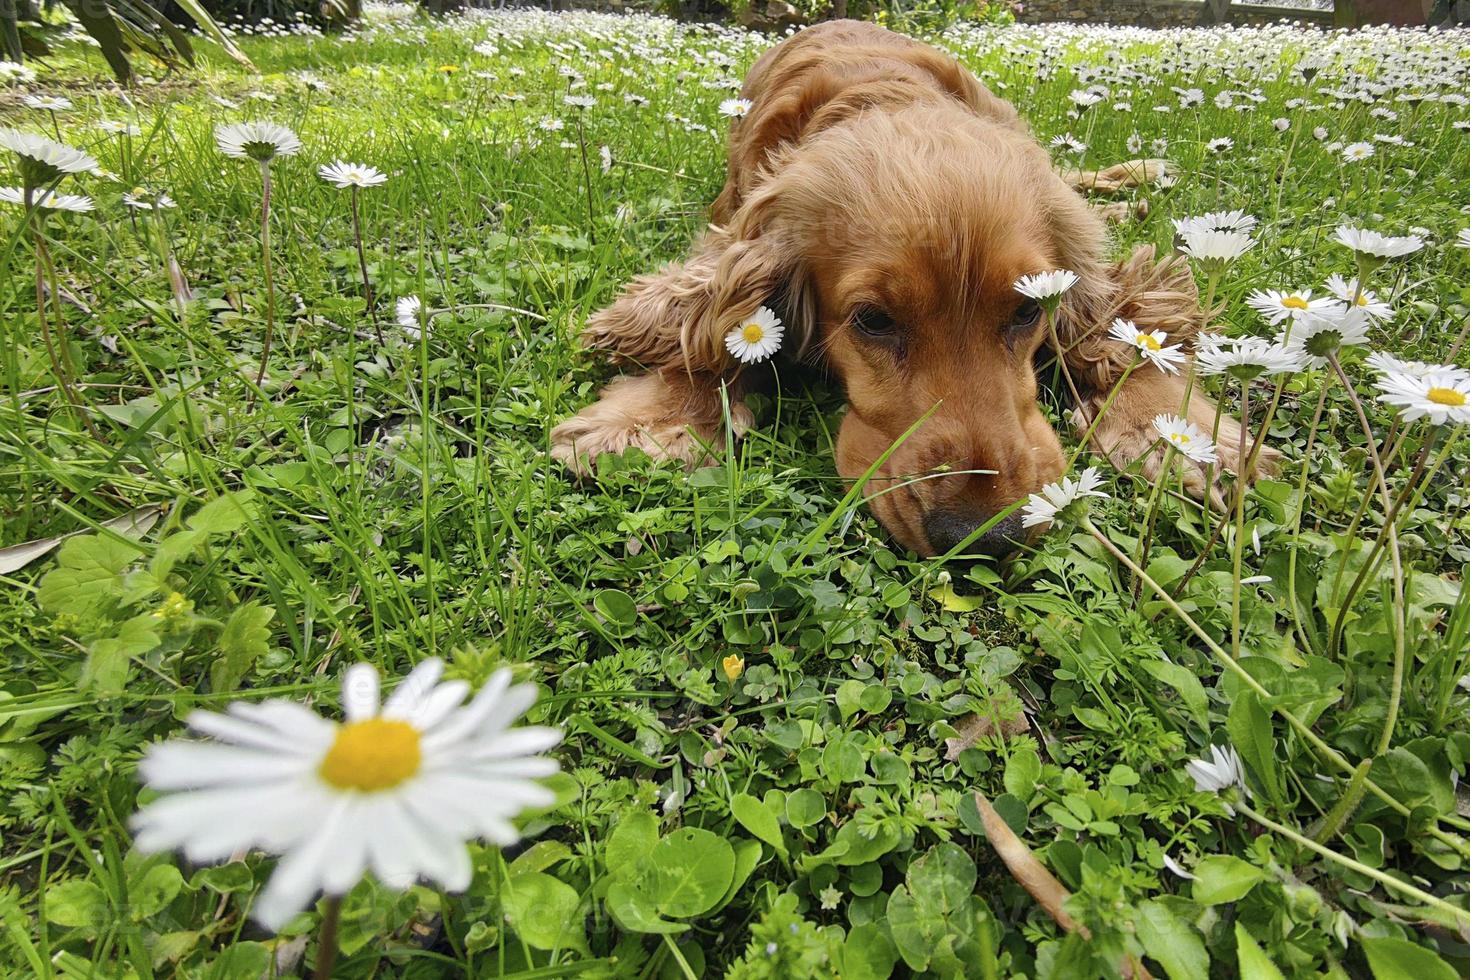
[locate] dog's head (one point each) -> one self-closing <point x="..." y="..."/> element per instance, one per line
<point x="891" y="244"/>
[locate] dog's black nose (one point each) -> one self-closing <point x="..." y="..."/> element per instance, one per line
<point x="947" y="528"/>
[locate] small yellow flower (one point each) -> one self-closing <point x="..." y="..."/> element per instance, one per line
<point x="449" y="69"/>
<point x="174" y="607"/>
<point x="734" y="666"/>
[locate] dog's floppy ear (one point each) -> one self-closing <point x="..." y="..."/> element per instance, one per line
<point x="681" y="314"/>
<point x="1158" y="294"/>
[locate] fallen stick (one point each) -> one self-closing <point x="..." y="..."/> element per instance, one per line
<point x="1039" y="883"/>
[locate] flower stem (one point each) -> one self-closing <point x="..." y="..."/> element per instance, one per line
<point x="1056" y="346"/>
<point x="1296" y="524"/>
<point x="367" y="287"/>
<point x="265" y="262"/>
<point x="1345" y="807"/>
<point x="57" y="347"/>
<point x="1107" y="403"/>
<point x="1386" y="880"/>
<point x="587" y="177"/>
<point x="1242" y="480"/>
<point x="326" y="942"/>
<point x="1416" y="486"/>
<point x="1396" y="684"/>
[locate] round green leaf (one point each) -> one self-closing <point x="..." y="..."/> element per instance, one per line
<point x="805" y="807"/>
<point x="77" y="902"/>
<point x="543" y="910"/>
<point x="616" y="606"/>
<point x="693" y="869"/>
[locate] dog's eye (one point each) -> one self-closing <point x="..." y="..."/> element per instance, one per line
<point x="1027" y="315"/>
<point x="873" y="322"/>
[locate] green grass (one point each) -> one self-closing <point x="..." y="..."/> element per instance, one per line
<point x="398" y="503"/>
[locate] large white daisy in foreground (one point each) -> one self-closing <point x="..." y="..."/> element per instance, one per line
<point x="397" y="789"/>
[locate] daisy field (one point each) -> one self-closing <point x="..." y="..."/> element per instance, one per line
<point x="317" y="663"/>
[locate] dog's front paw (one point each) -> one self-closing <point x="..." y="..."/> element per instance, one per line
<point x="1134" y="442"/>
<point x="645" y="412"/>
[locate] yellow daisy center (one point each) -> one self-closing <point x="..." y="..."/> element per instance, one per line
<point x="1446" y="396"/>
<point x="753" y="332"/>
<point x="372" y="755"/>
<point x="1179" y="438"/>
<point x="1294" y="303"/>
<point x="1147" y="342"/>
<point x="1363" y="299"/>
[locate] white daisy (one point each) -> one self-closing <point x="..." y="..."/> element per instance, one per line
<point x="1215" y="221"/>
<point x="1323" y="332"/>
<point x="1086" y="98"/>
<point x="551" y="124"/>
<point x="115" y="128"/>
<point x="1069" y="143"/>
<point x="1385" y="363"/>
<point x="1355" y="152"/>
<point x="142" y="199"/>
<point x="757" y="338"/>
<point x="1373" y="245"/>
<point x="1222" y="771"/>
<point x="1046" y="287"/>
<point x="258" y="141"/>
<point x="409" y="314"/>
<point x="1216" y="249"/>
<point x="1366" y="300"/>
<point x="396" y="788"/>
<point x="1043" y="507"/>
<point x="1462" y="238"/>
<point x="735" y="108"/>
<point x="1242" y="358"/>
<point x="1186" y="437"/>
<point x="580" y="101"/>
<point x="345" y="174"/>
<point x="1276" y="306"/>
<point x="50" y="103"/>
<point x="1220" y="144"/>
<point x="1442" y="397"/>
<point x="48" y="200"/>
<point x="43" y="160"/>
<point x="1149" y="344"/>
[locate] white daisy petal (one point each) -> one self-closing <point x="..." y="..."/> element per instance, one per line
<point x="180" y="764"/>
<point x="360" y="692"/>
<point x="298" y="876"/>
<point x="414" y="689"/>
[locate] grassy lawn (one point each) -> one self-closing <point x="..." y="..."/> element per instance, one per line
<point x="775" y="720"/>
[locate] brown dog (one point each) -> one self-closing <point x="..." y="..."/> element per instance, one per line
<point x="883" y="202"/>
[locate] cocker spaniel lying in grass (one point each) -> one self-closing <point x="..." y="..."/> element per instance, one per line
<point x="884" y="203"/>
